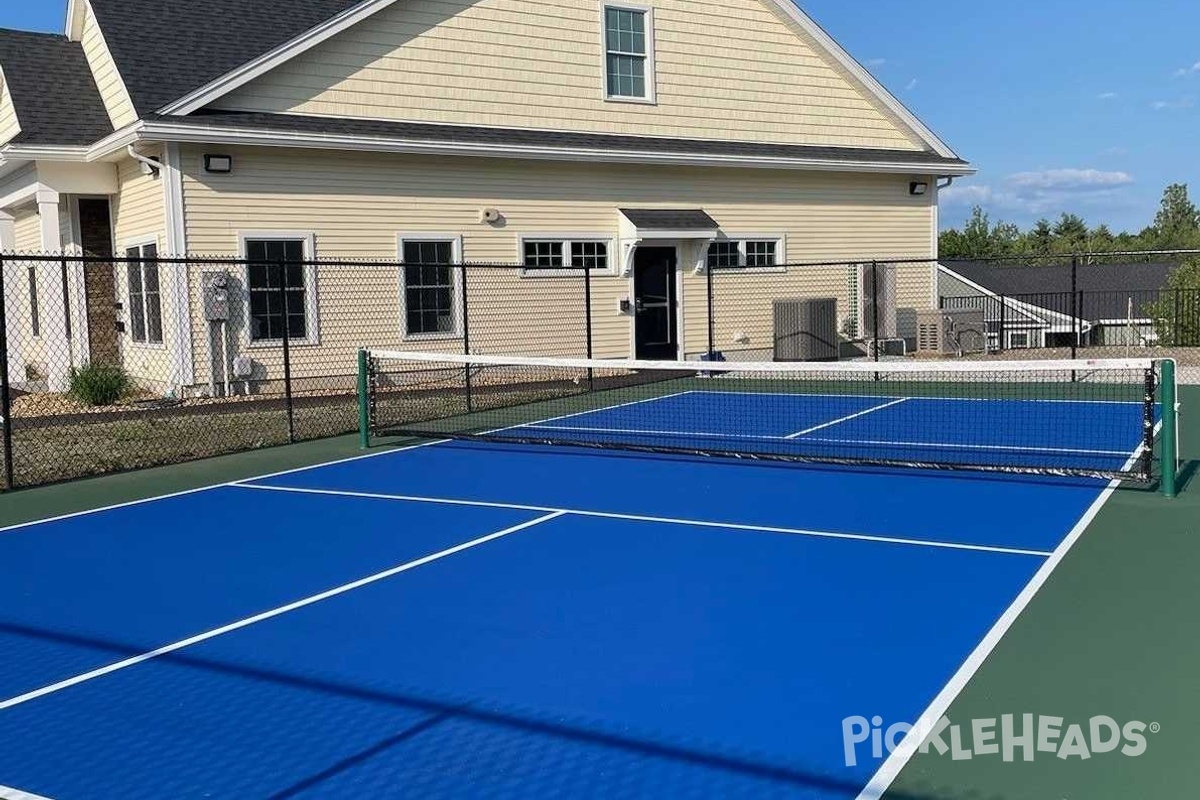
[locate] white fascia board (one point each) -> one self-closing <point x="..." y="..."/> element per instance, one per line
<point x="177" y="132"/>
<point x="73" y="29"/>
<point x="214" y="90"/>
<point x="40" y="152"/>
<point x="116" y="142"/>
<point x="863" y="76"/>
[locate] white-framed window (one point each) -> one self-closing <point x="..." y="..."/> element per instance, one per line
<point x="760" y="252"/>
<point x="547" y="255"/>
<point x="628" y="52"/>
<point x="430" y="291"/>
<point x="144" y="294"/>
<point x="1018" y="340"/>
<point x="281" y="287"/>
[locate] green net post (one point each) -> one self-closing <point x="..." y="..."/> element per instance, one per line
<point x="364" y="400"/>
<point x="1170" y="428"/>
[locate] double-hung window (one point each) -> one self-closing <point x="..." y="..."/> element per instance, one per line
<point x="550" y="256"/>
<point x="744" y="253"/>
<point x="145" y="299"/>
<point x="628" y="53"/>
<point x="281" y="290"/>
<point x="430" y="287"/>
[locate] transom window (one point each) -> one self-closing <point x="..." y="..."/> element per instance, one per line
<point x="627" y="40"/>
<point x="743" y="253"/>
<point x="145" y="299"/>
<point x="540" y="255"/>
<point x="280" y="285"/>
<point x="429" y="288"/>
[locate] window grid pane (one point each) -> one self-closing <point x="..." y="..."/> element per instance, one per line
<point x="723" y="255"/>
<point x="429" y="306"/>
<point x="544" y="255"/>
<point x="625" y="42"/>
<point x="267" y="310"/>
<point x="137" y="299"/>
<point x="760" y="254"/>
<point x="589" y="255"/>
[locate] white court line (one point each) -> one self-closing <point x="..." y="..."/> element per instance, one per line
<point x="592" y="411"/>
<point x="846" y="418"/>
<point x="899" y="758"/>
<point x="266" y="615"/>
<point x="212" y="486"/>
<point x="950" y="446"/>
<point x="8" y="793"/>
<point x="923" y="397"/>
<point x="576" y="512"/>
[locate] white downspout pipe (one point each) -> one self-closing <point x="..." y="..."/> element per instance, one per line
<point x="153" y="165"/>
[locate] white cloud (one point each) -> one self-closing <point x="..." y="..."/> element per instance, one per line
<point x="1042" y="192"/>
<point x="1183" y="72"/>
<point x="875" y="63"/>
<point x="911" y="85"/>
<point x="1173" y="105"/>
<point x="1068" y="180"/>
<point x="1107" y="96"/>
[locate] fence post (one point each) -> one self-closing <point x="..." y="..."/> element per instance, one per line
<point x="5" y="388"/>
<point x="587" y="313"/>
<point x="1076" y="324"/>
<point x="287" y="354"/>
<point x="712" y="323"/>
<point x="466" y="337"/>
<point x="1003" y="320"/>
<point x="1170" y="429"/>
<point x="364" y="400"/>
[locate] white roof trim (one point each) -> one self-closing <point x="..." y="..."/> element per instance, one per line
<point x="187" y="131"/>
<point x="863" y="75"/>
<point x="247" y="72"/>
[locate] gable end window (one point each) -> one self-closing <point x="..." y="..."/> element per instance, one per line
<point x="280" y="283"/>
<point x="628" y="53"/>
<point x="744" y="254"/>
<point x="145" y="300"/>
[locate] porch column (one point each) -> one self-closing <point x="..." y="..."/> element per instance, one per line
<point x="53" y="309"/>
<point x="12" y="278"/>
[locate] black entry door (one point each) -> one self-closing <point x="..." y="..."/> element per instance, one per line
<point x="654" y="303"/>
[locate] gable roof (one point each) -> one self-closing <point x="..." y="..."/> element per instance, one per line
<point x="52" y="90"/>
<point x="165" y="49"/>
<point x="1105" y="289"/>
<point x="217" y="46"/>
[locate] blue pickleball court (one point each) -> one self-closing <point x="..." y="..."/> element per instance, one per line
<point x="469" y="619"/>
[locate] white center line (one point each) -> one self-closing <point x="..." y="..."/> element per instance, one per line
<point x="846" y="418"/>
<point x="266" y="615"/>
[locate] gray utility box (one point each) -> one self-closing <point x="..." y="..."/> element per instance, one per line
<point x="806" y="330"/>
<point x="951" y="332"/>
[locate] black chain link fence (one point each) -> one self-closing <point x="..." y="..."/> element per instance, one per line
<point x="113" y="364"/>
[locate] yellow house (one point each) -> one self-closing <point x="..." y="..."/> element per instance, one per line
<point x="646" y="142"/>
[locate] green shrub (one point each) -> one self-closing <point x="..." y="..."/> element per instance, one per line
<point x="99" y="384"/>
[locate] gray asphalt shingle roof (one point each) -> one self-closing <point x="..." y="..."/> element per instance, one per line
<point x="52" y="88"/>
<point x="465" y="134"/>
<point x="165" y="49"/>
<point x="1106" y="290"/>
<point x="684" y="219"/>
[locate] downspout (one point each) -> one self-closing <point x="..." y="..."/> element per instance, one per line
<point x="153" y="165"/>
<point x="946" y="185"/>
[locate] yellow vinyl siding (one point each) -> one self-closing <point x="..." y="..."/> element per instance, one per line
<point x="138" y="218"/>
<point x="725" y="69"/>
<point x="112" y="90"/>
<point x="10" y="126"/>
<point x="356" y="204"/>
<point x="28" y="225"/>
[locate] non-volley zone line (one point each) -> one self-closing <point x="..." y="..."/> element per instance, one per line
<point x="647" y="518"/>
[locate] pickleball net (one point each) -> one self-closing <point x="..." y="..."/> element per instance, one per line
<point x="1099" y="419"/>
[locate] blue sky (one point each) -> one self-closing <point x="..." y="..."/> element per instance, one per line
<point x="1089" y="106"/>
